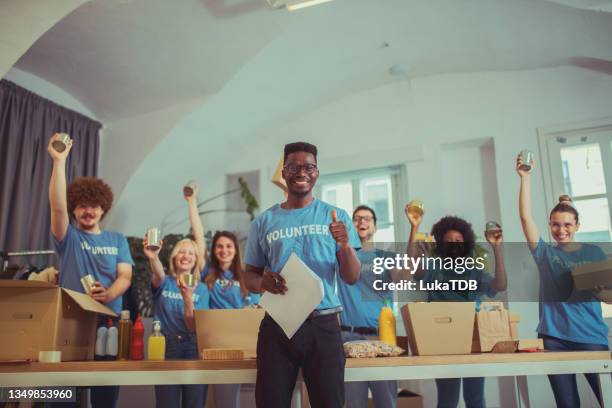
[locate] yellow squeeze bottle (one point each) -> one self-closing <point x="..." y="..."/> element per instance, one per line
<point x="156" y="343"/>
<point x="386" y="325"/>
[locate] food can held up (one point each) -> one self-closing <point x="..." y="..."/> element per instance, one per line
<point x="415" y="207"/>
<point x="88" y="282"/>
<point x="189" y="188"/>
<point x="61" y="142"/>
<point x="153" y="239"/>
<point x="526" y="160"/>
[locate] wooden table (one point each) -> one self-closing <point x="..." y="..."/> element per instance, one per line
<point x="244" y="371"/>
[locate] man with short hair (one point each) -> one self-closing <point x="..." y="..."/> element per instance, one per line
<point x="362" y="305"/>
<point x="325" y="242"/>
<point x="84" y="248"/>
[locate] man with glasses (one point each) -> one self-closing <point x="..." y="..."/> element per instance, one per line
<point x="362" y="305"/>
<point x="323" y="237"/>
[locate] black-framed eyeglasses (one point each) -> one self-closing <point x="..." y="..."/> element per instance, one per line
<point x="296" y="168"/>
<point x="367" y="218"/>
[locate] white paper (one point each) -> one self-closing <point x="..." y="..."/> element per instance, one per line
<point x="304" y="293"/>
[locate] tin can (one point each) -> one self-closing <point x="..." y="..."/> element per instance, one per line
<point x="415" y="207"/>
<point x="153" y="239"/>
<point x="88" y="282"/>
<point x="492" y="229"/>
<point x="526" y="159"/>
<point x="189" y="188"/>
<point x="188" y="279"/>
<point x="61" y="143"/>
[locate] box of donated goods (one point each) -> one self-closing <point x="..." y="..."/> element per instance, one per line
<point x="437" y="328"/>
<point x="235" y="329"/>
<point x="38" y="316"/>
<point x="587" y="276"/>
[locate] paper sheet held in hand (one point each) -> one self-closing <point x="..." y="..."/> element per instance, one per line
<point x="305" y="292"/>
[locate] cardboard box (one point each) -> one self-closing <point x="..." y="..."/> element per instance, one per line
<point x="277" y="177"/>
<point x="515" y="319"/>
<point x="405" y="399"/>
<point x="229" y="328"/>
<point x="589" y="275"/>
<point x="439" y="328"/>
<point x="38" y="316"/>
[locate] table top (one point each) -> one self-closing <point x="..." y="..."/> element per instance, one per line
<point x="173" y="365"/>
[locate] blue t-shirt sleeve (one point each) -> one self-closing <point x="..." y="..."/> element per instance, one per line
<point x="540" y="251"/>
<point x="60" y="246"/>
<point x="596" y="254"/>
<point x="254" y="254"/>
<point x="157" y="291"/>
<point x="253" y="298"/>
<point x="124" y="255"/>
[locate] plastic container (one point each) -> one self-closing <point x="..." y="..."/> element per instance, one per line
<point x="125" y="335"/>
<point x="112" y="341"/>
<point x="156" y="347"/>
<point x="101" y="339"/>
<point x="137" y="345"/>
<point x="386" y="325"/>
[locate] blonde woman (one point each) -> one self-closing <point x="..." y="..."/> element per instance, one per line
<point x="175" y="304"/>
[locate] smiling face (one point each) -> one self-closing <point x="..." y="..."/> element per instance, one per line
<point x="87" y="216"/>
<point x="300" y="173"/>
<point x="563" y="226"/>
<point x="185" y="258"/>
<point x="363" y="220"/>
<point x="224" y="251"/>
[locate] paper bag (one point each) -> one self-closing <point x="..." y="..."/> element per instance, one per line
<point x="492" y="325"/>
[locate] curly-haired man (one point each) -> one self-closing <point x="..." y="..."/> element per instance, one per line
<point x="84" y="248"/>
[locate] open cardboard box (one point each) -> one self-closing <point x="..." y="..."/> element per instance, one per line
<point x="590" y="275"/>
<point x="439" y="328"/>
<point x="38" y="316"/>
<point x="229" y="329"/>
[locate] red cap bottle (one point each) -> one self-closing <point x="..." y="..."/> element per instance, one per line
<point x="137" y="347"/>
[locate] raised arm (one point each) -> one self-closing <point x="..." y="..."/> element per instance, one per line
<point x="157" y="269"/>
<point x="500" y="281"/>
<point x="196" y="228"/>
<point x="530" y="229"/>
<point x="57" y="190"/>
<point x="414" y="250"/>
<point x="348" y="262"/>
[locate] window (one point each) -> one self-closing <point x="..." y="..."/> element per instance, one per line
<point x="581" y="166"/>
<point x="374" y="188"/>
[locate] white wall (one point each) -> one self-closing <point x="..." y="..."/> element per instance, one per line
<point x="47" y="90"/>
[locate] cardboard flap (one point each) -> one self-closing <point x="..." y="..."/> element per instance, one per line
<point x="591" y="267"/>
<point x="277" y="177"/>
<point x="87" y="303"/>
<point x="9" y="283"/>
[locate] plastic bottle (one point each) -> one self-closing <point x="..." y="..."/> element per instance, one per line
<point x="386" y="325"/>
<point x="137" y="346"/>
<point x="112" y="341"/>
<point x="101" y="338"/>
<point x="156" y="343"/>
<point x="125" y="335"/>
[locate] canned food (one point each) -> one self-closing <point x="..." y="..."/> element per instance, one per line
<point x="526" y="160"/>
<point x="88" y="282"/>
<point x="189" y="188"/>
<point x="61" y="142"/>
<point x="415" y="207"/>
<point x="187" y="278"/>
<point x="153" y="239"/>
<point x="492" y="229"/>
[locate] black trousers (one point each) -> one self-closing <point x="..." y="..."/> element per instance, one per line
<point x="316" y="348"/>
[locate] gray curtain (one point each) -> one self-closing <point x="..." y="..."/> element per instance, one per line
<point x="27" y="121"/>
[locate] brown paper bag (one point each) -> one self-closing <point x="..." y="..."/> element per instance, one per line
<point x="491" y="325"/>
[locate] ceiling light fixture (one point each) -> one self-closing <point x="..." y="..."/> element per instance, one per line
<point x="293" y="5"/>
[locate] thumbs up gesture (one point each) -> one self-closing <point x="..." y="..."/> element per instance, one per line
<point x="338" y="230"/>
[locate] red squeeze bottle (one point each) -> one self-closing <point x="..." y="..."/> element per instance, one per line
<point x="137" y="347"/>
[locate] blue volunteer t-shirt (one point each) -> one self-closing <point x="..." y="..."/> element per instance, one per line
<point x="361" y="303"/>
<point x="277" y="232"/>
<point x="82" y="253"/>
<point x="169" y="307"/>
<point x="567" y="313"/>
<point x="225" y="293"/>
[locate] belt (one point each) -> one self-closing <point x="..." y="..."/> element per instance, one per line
<point x="325" y="312"/>
<point x="181" y="338"/>
<point x="366" y="331"/>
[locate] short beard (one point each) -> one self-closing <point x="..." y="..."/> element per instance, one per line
<point x="300" y="194"/>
